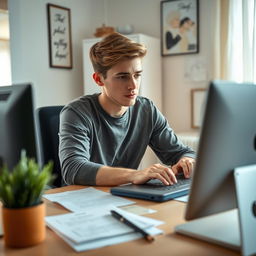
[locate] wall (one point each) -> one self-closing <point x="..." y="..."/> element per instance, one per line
<point x="29" y="49"/>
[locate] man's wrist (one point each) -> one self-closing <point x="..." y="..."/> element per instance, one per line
<point x="114" y="176"/>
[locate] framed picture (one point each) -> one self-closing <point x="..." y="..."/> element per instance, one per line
<point x="179" y="27"/>
<point x="198" y="97"/>
<point x="59" y="29"/>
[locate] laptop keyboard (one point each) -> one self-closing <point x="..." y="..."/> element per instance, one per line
<point x="158" y="185"/>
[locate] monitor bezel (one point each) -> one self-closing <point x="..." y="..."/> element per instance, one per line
<point x="17" y="124"/>
<point x="228" y="105"/>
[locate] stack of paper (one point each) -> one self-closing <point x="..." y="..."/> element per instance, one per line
<point x="90" y="225"/>
<point x="85" y="231"/>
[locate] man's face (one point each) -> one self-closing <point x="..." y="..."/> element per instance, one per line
<point x="122" y="82"/>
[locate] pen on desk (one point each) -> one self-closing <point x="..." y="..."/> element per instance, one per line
<point x="121" y="218"/>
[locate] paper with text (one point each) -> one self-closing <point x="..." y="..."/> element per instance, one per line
<point x="87" y="199"/>
<point x="85" y="231"/>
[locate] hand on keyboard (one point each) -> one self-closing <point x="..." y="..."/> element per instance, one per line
<point x="184" y="165"/>
<point x="155" y="171"/>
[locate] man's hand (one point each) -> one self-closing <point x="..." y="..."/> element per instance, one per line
<point x="112" y="176"/>
<point x="185" y="165"/>
<point x="156" y="171"/>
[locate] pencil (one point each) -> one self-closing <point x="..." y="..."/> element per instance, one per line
<point x="121" y="218"/>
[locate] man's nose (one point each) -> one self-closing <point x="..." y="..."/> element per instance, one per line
<point x="133" y="83"/>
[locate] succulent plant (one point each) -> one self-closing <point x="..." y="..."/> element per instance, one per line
<point x="25" y="184"/>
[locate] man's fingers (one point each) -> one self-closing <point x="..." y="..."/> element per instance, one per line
<point x="187" y="166"/>
<point x="156" y="171"/>
<point x="164" y="174"/>
<point x="158" y="176"/>
<point x="190" y="165"/>
<point x="172" y="175"/>
<point x="184" y="165"/>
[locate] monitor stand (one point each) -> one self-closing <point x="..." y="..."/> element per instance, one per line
<point x="235" y="229"/>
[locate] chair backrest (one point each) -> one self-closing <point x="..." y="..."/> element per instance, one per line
<point x="47" y="129"/>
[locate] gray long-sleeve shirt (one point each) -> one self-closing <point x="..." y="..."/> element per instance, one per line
<point x="91" y="138"/>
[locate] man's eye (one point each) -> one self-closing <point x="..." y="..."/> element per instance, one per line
<point x="137" y="76"/>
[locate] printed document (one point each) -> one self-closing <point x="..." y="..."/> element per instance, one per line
<point x="87" y="199"/>
<point x="84" y="231"/>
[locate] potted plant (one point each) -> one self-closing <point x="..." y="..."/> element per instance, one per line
<point x="23" y="210"/>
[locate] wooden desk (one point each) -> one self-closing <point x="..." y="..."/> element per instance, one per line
<point x="169" y="243"/>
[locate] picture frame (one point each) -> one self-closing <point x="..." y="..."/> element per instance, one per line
<point x="59" y="34"/>
<point x="198" y="98"/>
<point x="179" y="27"/>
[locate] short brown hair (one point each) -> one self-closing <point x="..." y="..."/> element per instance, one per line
<point x="112" y="49"/>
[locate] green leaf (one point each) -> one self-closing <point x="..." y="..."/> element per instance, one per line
<point x="25" y="184"/>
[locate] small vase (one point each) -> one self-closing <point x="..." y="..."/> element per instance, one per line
<point x="24" y="227"/>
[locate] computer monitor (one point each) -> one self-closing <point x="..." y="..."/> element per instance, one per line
<point x="227" y="141"/>
<point x="17" y="129"/>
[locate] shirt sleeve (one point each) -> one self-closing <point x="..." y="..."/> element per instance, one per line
<point x="74" y="149"/>
<point x="165" y="143"/>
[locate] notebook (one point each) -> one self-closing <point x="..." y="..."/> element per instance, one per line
<point x="154" y="190"/>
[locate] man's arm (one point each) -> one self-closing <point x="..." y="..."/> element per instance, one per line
<point x="78" y="169"/>
<point x="74" y="153"/>
<point x="109" y="176"/>
<point x="169" y="149"/>
<point x="172" y="152"/>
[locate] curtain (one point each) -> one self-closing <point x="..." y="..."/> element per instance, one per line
<point x="220" y="9"/>
<point x="241" y="41"/>
<point x="235" y="40"/>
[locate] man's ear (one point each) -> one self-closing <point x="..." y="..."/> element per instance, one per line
<point x="97" y="78"/>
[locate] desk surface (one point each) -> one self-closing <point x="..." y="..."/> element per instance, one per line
<point x="169" y="243"/>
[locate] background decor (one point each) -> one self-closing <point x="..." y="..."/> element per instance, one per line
<point x="59" y="28"/>
<point x="198" y="97"/>
<point x="22" y="207"/>
<point x="179" y="27"/>
<point x="104" y="31"/>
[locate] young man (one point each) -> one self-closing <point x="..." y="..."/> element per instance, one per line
<point x="103" y="137"/>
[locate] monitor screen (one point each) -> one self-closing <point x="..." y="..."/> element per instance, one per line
<point x="227" y="140"/>
<point x="17" y="130"/>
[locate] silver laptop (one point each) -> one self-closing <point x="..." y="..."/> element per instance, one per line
<point x="154" y="190"/>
